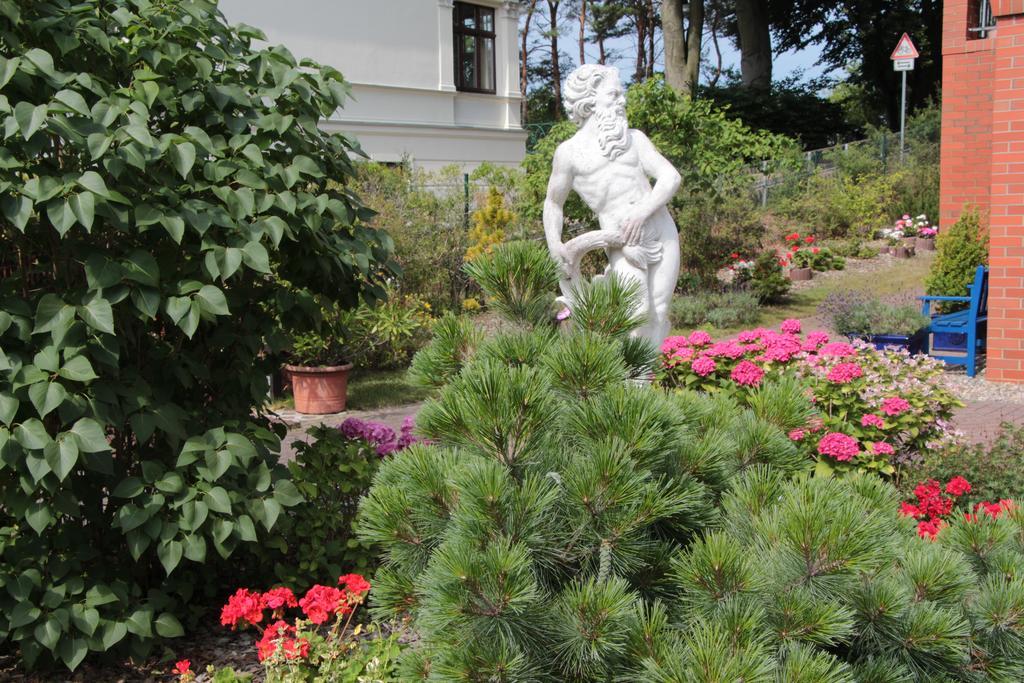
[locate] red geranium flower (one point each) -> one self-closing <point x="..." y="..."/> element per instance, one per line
<point x="280" y="597"/>
<point x="929" y="529"/>
<point x="320" y="602"/>
<point x="245" y="606"/>
<point x="958" y="486"/>
<point x="354" y="583"/>
<point x="183" y="667"/>
<point x="908" y="510"/>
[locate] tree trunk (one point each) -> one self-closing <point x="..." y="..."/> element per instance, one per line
<point x="718" y="55"/>
<point x="583" y="28"/>
<point x="640" y="21"/>
<point x="682" y="46"/>
<point x="652" y="25"/>
<point x="694" y="42"/>
<point x="556" y="74"/>
<point x="674" y="38"/>
<point x="755" y="44"/>
<point x="522" y="59"/>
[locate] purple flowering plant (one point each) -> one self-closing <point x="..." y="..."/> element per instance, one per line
<point x="332" y="469"/>
<point x="379" y="435"/>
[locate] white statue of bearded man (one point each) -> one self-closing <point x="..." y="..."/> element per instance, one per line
<point x="609" y="166"/>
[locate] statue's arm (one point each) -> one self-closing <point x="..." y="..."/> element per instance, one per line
<point x="558" y="190"/>
<point x="666" y="184"/>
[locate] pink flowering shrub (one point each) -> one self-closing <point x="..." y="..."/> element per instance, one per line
<point x="877" y="410"/>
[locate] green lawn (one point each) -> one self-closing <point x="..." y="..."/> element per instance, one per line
<point x="902" y="276"/>
<point x="372" y="389"/>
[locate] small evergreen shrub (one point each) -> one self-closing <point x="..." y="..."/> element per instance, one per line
<point x="960" y="249"/>
<point x="766" y="278"/>
<point x="554" y="493"/>
<point x="489" y="224"/>
<point x="819" y="580"/>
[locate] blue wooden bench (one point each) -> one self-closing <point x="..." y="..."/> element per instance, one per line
<point x="970" y="322"/>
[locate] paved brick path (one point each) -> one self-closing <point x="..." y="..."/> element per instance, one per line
<point x="299" y="425"/>
<point x="980" y="420"/>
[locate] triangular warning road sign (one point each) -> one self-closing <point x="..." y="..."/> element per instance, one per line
<point x="905" y="49"/>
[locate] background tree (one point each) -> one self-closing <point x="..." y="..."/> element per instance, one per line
<point x="865" y="33"/>
<point x="755" y="43"/>
<point x="606" y="23"/>
<point x="524" y="57"/>
<point x="683" y="43"/>
<point x="556" y="71"/>
<point x="645" y="18"/>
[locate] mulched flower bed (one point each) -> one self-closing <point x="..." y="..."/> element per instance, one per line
<point x="216" y="646"/>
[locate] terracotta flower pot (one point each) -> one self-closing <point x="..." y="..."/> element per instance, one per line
<point x="319" y="390"/>
<point x="925" y="243"/>
<point x="800" y="274"/>
<point x="903" y="251"/>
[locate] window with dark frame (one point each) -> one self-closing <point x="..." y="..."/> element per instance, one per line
<point x="979" y="19"/>
<point x="474" y="47"/>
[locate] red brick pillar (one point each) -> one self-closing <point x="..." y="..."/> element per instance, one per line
<point x="1006" y="213"/>
<point x="967" y="64"/>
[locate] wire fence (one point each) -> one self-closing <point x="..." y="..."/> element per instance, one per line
<point x="826" y="161"/>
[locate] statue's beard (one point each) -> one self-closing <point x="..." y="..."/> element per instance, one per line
<point x="612" y="132"/>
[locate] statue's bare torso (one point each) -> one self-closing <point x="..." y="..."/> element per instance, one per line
<point x="612" y="187"/>
<point x="610" y="167"/>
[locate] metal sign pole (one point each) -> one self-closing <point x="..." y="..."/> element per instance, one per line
<point x="903" y="114"/>
<point x="903" y="60"/>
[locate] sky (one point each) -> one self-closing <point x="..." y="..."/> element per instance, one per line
<point x="784" y="65"/>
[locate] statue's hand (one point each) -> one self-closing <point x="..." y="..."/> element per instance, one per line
<point x="632" y="226"/>
<point x="560" y="254"/>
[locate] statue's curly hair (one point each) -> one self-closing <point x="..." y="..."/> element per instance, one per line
<point x="580" y="89"/>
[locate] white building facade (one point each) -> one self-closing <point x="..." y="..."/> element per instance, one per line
<point x="433" y="81"/>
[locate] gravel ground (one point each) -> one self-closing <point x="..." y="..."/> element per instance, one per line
<point x="977" y="388"/>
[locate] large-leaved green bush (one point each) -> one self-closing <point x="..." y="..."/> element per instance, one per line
<point x="159" y="178"/>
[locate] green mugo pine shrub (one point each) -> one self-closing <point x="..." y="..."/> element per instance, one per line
<point x="960" y="250"/>
<point x="532" y="540"/>
<point x="567" y="524"/>
<point x="159" y="178"/>
<point x="819" y="580"/>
